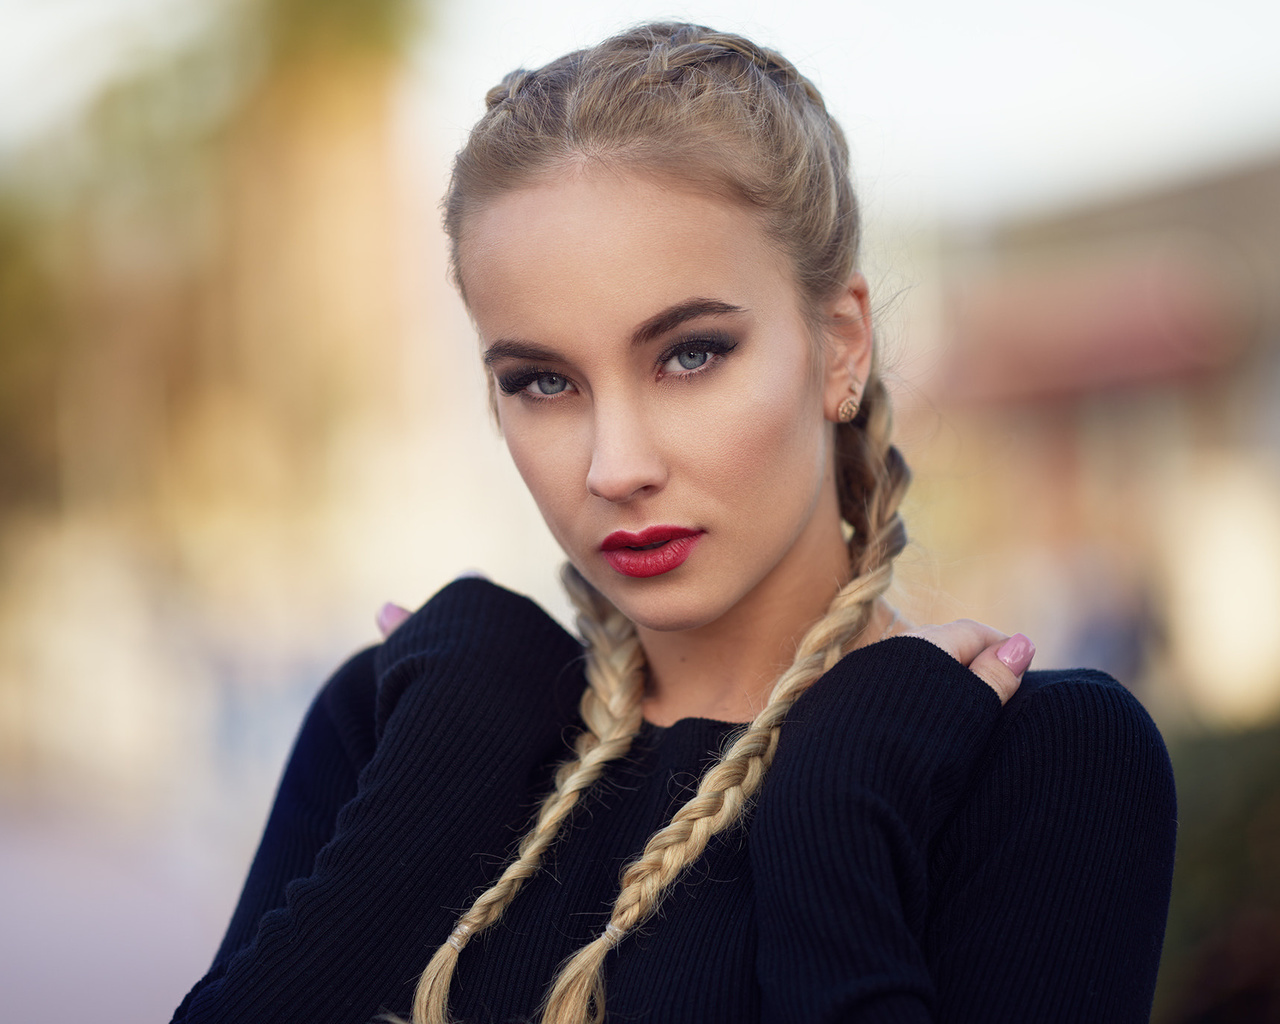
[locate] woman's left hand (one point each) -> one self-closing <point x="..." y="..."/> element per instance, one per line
<point x="996" y="658"/>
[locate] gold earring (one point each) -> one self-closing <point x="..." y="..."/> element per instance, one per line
<point x="848" y="408"/>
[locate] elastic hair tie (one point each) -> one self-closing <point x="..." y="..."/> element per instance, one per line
<point x="458" y="937"/>
<point x="613" y="934"/>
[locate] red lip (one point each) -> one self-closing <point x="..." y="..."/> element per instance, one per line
<point x="651" y="552"/>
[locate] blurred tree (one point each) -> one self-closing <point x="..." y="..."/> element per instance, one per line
<point x="306" y="27"/>
<point x="128" y="248"/>
<point x="32" y="341"/>
<point x="1221" y="962"/>
<point x="199" y="293"/>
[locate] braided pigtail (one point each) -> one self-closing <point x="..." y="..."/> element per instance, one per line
<point x="610" y="708"/>
<point x="717" y="113"/>
<point x="873" y="480"/>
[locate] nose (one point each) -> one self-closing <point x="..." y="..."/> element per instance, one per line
<point x="625" y="461"/>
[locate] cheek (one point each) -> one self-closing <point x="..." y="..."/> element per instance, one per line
<point x="765" y="440"/>
<point x="549" y="463"/>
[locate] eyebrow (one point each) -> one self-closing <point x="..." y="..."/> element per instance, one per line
<point x="673" y="316"/>
<point x="656" y="326"/>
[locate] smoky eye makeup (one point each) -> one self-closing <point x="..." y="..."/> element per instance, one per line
<point x="695" y="351"/>
<point x="520" y="379"/>
<point x="684" y="357"/>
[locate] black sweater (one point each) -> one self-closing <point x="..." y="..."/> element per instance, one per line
<point x="917" y="853"/>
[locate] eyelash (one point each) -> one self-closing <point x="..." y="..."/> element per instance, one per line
<point x="712" y="344"/>
<point x="515" y="382"/>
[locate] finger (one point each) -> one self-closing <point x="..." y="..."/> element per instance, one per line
<point x="963" y="639"/>
<point x="1002" y="665"/>
<point x="997" y="659"/>
<point x="389" y="617"/>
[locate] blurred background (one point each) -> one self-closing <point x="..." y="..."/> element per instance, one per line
<point x="240" y="407"/>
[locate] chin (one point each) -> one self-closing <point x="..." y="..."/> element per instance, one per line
<point x="666" y="609"/>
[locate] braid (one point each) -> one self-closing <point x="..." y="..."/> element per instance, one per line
<point x="872" y="478"/>
<point x="867" y="459"/>
<point x="691" y="51"/>
<point x="610" y="708"/>
<point x="719" y="113"/>
<point x="507" y="89"/>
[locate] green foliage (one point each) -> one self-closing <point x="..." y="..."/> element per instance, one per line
<point x="141" y="173"/>
<point x="31" y="346"/>
<point x="1222" y="948"/>
<point x="305" y="27"/>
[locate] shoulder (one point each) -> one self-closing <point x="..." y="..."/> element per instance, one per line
<point x="481" y="639"/>
<point x="344" y="708"/>
<point x="1073" y="731"/>
<point x="1075" y="710"/>
<point x="905" y="715"/>
<point x="901" y="700"/>
<point x="473" y="611"/>
<point x="915" y="689"/>
<point x="1069" y="816"/>
<point x="470" y="628"/>
<point x="897" y="725"/>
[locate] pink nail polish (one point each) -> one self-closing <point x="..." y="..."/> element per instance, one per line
<point x="1016" y="653"/>
<point x="389" y="616"/>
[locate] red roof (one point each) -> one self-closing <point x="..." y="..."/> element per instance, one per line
<point x="1015" y="337"/>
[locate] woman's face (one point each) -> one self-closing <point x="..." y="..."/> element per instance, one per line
<point x="662" y="394"/>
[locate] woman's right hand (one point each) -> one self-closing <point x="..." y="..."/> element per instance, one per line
<point x="389" y="618"/>
<point x="996" y="658"/>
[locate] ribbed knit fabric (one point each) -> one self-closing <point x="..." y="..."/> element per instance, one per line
<point x="917" y="853"/>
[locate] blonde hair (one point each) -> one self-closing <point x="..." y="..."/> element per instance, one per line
<point x="740" y="122"/>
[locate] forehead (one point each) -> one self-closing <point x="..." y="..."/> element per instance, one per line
<point x="596" y="247"/>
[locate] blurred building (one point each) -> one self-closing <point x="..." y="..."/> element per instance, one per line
<point x="1108" y="379"/>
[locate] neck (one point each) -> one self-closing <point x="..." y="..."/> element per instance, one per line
<point x="726" y="669"/>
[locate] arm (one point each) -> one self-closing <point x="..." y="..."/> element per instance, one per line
<point x="922" y="856"/>
<point x="335" y="742"/>
<point x="1052" y="879"/>
<point x="470" y="706"/>
<point x="869" y="765"/>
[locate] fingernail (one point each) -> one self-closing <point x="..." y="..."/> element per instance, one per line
<point x="389" y="616"/>
<point x="1016" y="653"/>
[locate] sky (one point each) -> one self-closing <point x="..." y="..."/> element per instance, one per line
<point x="967" y="109"/>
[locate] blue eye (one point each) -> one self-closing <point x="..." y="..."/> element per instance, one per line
<point x="547" y="384"/>
<point x="695" y="354"/>
<point x="534" y="384"/>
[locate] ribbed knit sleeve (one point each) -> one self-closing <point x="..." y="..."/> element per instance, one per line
<point x="923" y="855"/>
<point x="869" y="764"/>
<point x="480" y="681"/>
<point x="1052" y="879"/>
<point x="335" y="742"/>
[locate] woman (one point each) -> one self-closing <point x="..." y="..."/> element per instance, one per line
<point x="770" y="807"/>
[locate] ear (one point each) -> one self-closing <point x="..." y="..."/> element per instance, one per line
<point x="848" y="344"/>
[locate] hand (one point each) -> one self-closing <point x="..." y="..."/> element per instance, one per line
<point x="996" y="658"/>
<point x="389" y="618"/>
